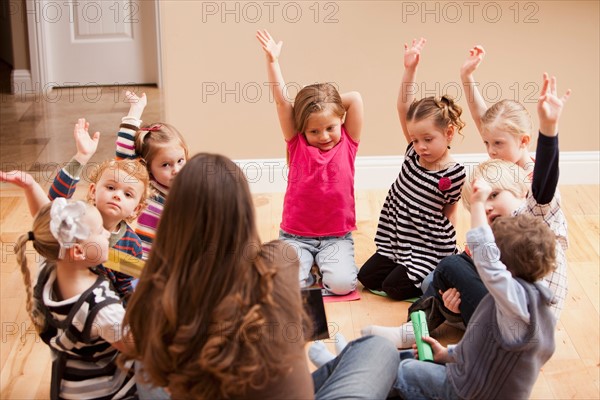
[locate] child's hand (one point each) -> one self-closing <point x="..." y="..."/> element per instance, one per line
<point x="550" y="106"/>
<point x="86" y="145"/>
<point x="440" y="353"/>
<point x="476" y="55"/>
<point x="451" y="298"/>
<point x="19" y="178"/>
<point x="412" y="55"/>
<point x="138" y="104"/>
<point x="481" y="191"/>
<point x="271" y="48"/>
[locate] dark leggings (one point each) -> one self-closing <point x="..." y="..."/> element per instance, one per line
<point x="459" y="272"/>
<point x="381" y="273"/>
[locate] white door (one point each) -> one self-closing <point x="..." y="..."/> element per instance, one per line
<point x="99" y="42"/>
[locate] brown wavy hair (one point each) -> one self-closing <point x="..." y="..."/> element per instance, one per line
<point x="206" y="295"/>
<point x="443" y="110"/>
<point x="527" y="246"/>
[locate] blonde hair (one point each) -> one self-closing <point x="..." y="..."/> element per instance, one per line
<point x="134" y="169"/>
<point x="443" y="110"/>
<point x="500" y="175"/>
<point x="154" y="137"/>
<point x="527" y="246"/>
<point x="46" y="245"/>
<point x="510" y="116"/>
<point x="316" y="98"/>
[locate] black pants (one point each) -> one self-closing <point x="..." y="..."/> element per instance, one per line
<point x="381" y="273"/>
<point x="459" y="272"/>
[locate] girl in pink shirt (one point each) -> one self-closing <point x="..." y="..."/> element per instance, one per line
<point x="322" y="130"/>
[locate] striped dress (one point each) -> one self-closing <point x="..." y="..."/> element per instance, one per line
<point x="79" y="331"/>
<point x="412" y="229"/>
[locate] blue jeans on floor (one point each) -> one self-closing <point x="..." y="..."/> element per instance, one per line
<point x="418" y="380"/>
<point x="365" y="369"/>
<point x="333" y="255"/>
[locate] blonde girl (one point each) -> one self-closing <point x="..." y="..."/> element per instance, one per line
<point x="506" y="126"/>
<point x="416" y="225"/>
<point x="164" y="152"/>
<point x="322" y="131"/>
<point x="76" y="312"/>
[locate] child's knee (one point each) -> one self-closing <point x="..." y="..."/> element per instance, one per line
<point x="339" y="284"/>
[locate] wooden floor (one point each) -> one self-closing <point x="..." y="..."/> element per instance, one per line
<point x="35" y="134"/>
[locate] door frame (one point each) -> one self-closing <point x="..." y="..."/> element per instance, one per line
<point x="38" y="46"/>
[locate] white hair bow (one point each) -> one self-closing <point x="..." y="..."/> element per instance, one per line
<point x="66" y="225"/>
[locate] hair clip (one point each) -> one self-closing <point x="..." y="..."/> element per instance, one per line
<point x="152" y="128"/>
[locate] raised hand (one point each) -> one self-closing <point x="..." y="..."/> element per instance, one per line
<point x="550" y="106"/>
<point x="476" y="55"/>
<point x="137" y="104"/>
<point x="412" y="55"/>
<point x="19" y="178"/>
<point x="481" y="191"/>
<point x="451" y="298"/>
<point x="86" y="145"/>
<point x="272" y="49"/>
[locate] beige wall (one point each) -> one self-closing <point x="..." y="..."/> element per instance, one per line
<point x="215" y="79"/>
<point x="20" y="43"/>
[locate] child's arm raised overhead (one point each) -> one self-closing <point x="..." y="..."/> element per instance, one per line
<point x="353" y="105"/>
<point x="545" y="171"/>
<point x="35" y="195"/>
<point x="408" y="85"/>
<point x="285" y="110"/>
<point x="129" y="125"/>
<point x="66" y="180"/>
<point x="475" y="101"/>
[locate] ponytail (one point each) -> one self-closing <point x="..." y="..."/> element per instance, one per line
<point x="443" y="110"/>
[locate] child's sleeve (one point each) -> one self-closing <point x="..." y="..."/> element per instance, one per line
<point x="126" y="138"/>
<point x="509" y="295"/>
<point x="66" y="180"/>
<point x="545" y="171"/>
<point x="109" y="322"/>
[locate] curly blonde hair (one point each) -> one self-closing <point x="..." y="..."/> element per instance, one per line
<point x="206" y="295"/>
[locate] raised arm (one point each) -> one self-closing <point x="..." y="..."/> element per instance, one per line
<point x="129" y="125"/>
<point x="285" y="110"/>
<point x="477" y="106"/>
<point x="408" y="87"/>
<point x="66" y="180"/>
<point x="35" y="195"/>
<point x="353" y="104"/>
<point x="545" y="171"/>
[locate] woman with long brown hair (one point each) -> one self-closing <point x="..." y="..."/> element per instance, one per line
<point x="218" y="314"/>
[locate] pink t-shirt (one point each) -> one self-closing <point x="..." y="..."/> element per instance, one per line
<point x="319" y="200"/>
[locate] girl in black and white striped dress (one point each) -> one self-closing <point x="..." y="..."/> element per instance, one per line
<point x="416" y="228"/>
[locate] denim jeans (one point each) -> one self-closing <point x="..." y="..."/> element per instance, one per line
<point x="365" y="369"/>
<point x="421" y="380"/>
<point x="333" y="255"/>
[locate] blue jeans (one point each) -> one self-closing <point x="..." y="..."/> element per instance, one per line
<point x="333" y="255"/>
<point x="421" y="380"/>
<point x="365" y="369"/>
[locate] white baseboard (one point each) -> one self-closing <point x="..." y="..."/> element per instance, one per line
<point x="21" y="81"/>
<point x="378" y="172"/>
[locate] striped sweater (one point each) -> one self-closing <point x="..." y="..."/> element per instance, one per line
<point x="147" y="222"/>
<point x="80" y="331"/>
